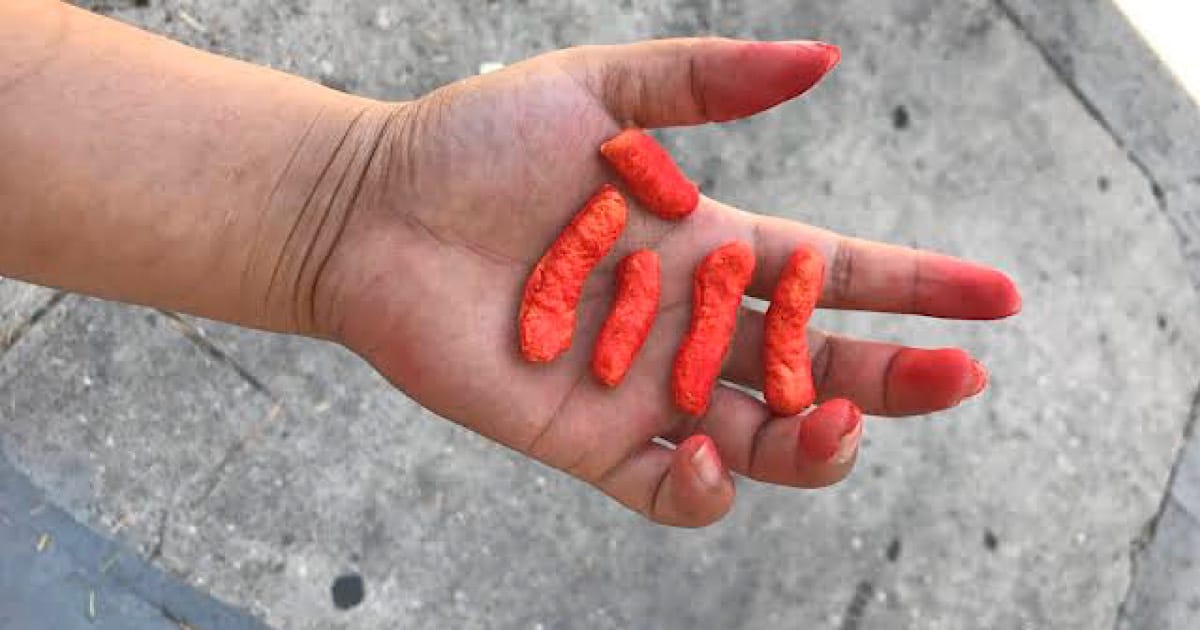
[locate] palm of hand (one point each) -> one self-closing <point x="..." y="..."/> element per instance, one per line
<point x="488" y="172"/>
<point x="524" y="155"/>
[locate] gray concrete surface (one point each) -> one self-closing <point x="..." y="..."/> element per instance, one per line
<point x="1117" y="78"/>
<point x="1166" y="589"/>
<point x="259" y="467"/>
<point x="57" y="573"/>
<point x="21" y="306"/>
<point x="1099" y="56"/>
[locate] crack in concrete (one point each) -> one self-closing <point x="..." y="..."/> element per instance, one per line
<point x="103" y="564"/>
<point x="218" y="473"/>
<point x="24" y="327"/>
<point x="161" y="537"/>
<point x="1138" y="545"/>
<point x="1068" y="81"/>
<point x="196" y="336"/>
<point x="1146" y="537"/>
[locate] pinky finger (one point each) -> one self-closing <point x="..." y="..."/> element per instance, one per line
<point x="684" y="487"/>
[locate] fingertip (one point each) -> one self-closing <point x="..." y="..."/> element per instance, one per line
<point x="1011" y="296"/>
<point x="761" y="75"/>
<point x="822" y="56"/>
<point x="990" y="294"/>
<point x="977" y="381"/>
<point x="833" y="55"/>
<point x="700" y="489"/>
<point x="810" y="61"/>
<point x="963" y="290"/>
<point x="922" y="381"/>
<point x="831" y="432"/>
<point x="999" y="292"/>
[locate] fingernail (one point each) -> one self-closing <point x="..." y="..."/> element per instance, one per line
<point x="832" y="432"/>
<point x="1016" y="303"/>
<point x="833" y="55"/>
<point x="829" y="52"/>
<point x="704" y="460"/>
<point x="848" y="445"/>
<point x="977" y="380"/>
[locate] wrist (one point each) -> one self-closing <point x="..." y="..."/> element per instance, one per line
<point x="338" y="167"/>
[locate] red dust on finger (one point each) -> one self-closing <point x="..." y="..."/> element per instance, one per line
<point x="830" y="432"/>
<point x="922" y="381"/>
<point x="761" y="75"/>
<point x="957" y="289"/>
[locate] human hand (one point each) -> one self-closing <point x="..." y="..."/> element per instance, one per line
<point x="476" y="180"/>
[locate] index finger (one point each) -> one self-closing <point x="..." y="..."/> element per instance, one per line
<point x="869" y="276"/>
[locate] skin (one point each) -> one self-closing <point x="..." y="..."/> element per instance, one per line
<point x="406" y="232"/>
<point x="831" y="431"/>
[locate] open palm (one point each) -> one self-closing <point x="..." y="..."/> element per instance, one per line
<point x="481" y="176"/>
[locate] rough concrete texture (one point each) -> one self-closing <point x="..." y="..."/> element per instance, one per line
<point x="1102" y="58"/>
<point x="20" y="304"/>
<point x="260" y="467"/>
<point x="57" y="573"/>
<point x="1166" y="590"/>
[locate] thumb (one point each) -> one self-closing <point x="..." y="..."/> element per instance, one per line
<point x="693" y="81"/>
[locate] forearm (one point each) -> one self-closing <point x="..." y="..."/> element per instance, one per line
<point x="138" y="169"/>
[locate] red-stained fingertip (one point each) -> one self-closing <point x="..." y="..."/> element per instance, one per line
<point x="978" y="380"/>
<point x="833" y="55"/>
<point x="959" y="289"/>
<point x="829" y="54"/>
<point x="814" y="61"/>
<point x="922" y="381"/>
<point x="997" y="292"/>
<point x="760" y="75"/>
<point x="830" y="433"/>
<point x="1012" y="297"/>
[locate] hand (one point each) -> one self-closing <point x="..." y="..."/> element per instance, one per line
<point x="426" y="277"/>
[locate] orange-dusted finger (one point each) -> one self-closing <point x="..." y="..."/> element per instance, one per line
<point x="920" y="381"/>
<point x="717" y="286"/>
<point x="651" y="176"/>
<point x="546" y="322"/>
<point x="831" y="432"/>
<point x="639" y="285"/>
<point x="689" y="81"/>
<point x="870" y="276"/>
<point x="884" y="379"/>
<point x="787" y="369"/>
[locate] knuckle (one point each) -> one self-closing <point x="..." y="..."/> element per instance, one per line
<point x="822" y="361"/>
<point x="841" y="271"/>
